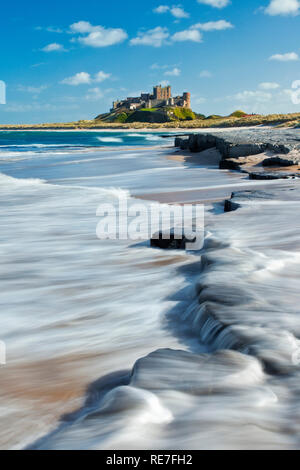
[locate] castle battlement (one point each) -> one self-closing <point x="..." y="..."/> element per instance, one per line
<point x="161" y="96"/>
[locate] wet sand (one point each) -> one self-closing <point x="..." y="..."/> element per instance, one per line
<point x="206" y="195"/>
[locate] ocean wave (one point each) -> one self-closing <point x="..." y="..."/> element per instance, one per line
<point x="37" y="145"/>
<point x="152" y="137"/>
<point x="136" y="135"/>
<point x="6" y="180"/>
<point x="110" y="139"/>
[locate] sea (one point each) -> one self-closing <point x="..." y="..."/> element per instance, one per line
<point x="113" y="344"/>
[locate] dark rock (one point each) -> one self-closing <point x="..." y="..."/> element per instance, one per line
<point x="229" y="164"/>
<point x="244" y="150"/>
<point x="246" y="142"/>
<point x="280" y="148"/>
<point x="267" y="176"/>
<point x="178" y="141"/>
<point x="181" y="143"/>
<point x="281" y="161"/>
<point x="172" y="240"/>
<point x="230" y="206"/>
<point x="193" y="143"/>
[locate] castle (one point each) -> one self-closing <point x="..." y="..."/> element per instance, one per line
<point x="160" y="97"/>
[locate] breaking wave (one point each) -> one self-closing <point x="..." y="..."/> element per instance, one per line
<point x="110" y="139"/>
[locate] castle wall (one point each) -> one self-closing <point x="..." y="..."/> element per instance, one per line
<point x="162" y="96"/>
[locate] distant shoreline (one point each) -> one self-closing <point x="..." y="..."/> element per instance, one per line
<point x="174" y="130"/>
<point x="291" y="120"/>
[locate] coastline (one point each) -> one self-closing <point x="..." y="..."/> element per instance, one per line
<point x="185" y="130"/>
<point x="237" y="313"/>
<point x="225" y="320"/>
<point x="291" y="120"/>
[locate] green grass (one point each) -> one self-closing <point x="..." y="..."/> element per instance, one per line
<point x="151" y="110"/>
<point x="238" y="114"/>
<point x="181" y="114"/>
<point x="214" y="117"/>
<point x="122" y="117"/>
<point x="277" y="120"/>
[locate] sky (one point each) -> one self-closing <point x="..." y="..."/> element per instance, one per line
<point x="68" y="60"/>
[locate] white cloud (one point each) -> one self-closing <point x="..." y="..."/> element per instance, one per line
<point x="101" y="76"/>
<point x="162" y="67"/>
<point x="200" y="100"/>
<point x="54" y="46"/>
<point x="80" y="78"/>
<point x="188" y="35"/>
<point x="32" y="89"/>
<point x="269" y="86"/>
<point x="94" y="94"/>
<point x="159" y="36"/>
<point x="288" y="57"/>
<point x="97" y="36"/>
<point x="283" y="7"/>
<point x="193" y="33"/>
<point x="82" y="27"/>
<point x="154" y="37"/>
<point x="50" y="29"/>
<point x="161" y="9"/>
<point x="259" y="101"/>
<point x="177" y="11"/>
<point x="164" y="83"/>
<point x="23" y="108"/>
<point x="173" y="73"/>
<point x="158" y="67"/>
<point x="84" y="78"/>
<point x="250" y="96"/>
<point x="205" y="74"/>
<point x="215" y="3"/>
<point x="214" y="25"/>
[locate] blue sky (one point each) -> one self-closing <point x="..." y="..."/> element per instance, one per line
<point x="69" y="60"/>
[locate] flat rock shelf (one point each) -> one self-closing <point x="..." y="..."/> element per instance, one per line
<point x="251" y="150"/>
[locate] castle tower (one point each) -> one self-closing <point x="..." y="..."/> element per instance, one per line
<point x="187" y="99"/>
<point x="157" y="92"/>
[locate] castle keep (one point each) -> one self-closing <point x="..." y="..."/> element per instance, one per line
<point x="161" y="96"/>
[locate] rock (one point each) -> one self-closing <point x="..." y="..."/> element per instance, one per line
<point x="172" y="240"/>
<point x="230" y="164"/>
<point x="193" y="143"/>
<point x="279" y="148"/>
<point x="244" y="150"/>
<point x="269" y="176"/>
<point x="230" y="206"/>
<point x="182" y="143"/>
<point x="282" y="161"/>
<point x="205" y="142"/>
<point x="178" y="141"/>
<point x="245" y="142"/>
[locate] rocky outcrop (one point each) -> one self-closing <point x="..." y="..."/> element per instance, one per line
<point x="288" y="160"/>
<point x="245" y="149"/>
<point x="234" y="144"/>
<point x="172" y="240"/>
<point x="272" y="176"/>
<point x="230" y="205"/>
<point x="228" y="147"/>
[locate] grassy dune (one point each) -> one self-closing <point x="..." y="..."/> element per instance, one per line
<point x="278" y="120"/>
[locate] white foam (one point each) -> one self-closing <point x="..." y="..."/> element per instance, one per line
<point x="6" y="180"/>
<point x="109" y="139"/>
<point x="153" y="137"/>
